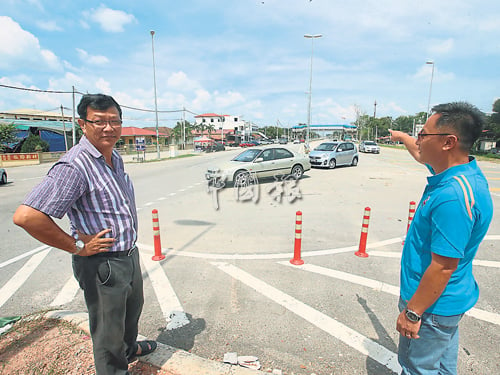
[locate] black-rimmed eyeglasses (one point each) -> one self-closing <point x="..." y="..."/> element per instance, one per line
<point x="422" y="135"/>
<point x="103" y="123"/>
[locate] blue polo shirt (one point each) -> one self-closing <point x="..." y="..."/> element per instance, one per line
<point x="451" y="220"/>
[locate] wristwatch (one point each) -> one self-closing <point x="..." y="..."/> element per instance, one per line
<point x="80" y="245"/>
<point x="412" y="316"/>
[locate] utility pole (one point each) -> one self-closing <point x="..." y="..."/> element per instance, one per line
<point x="73" y="119"/>
<point x="64" y="129"/>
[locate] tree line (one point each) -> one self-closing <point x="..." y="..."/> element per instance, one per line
<point x="370" y="127"/>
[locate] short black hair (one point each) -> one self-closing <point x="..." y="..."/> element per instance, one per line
<point x="96" y="101"/>
<point x="466" y="119"/>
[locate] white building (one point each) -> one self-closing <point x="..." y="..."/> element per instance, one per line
<point x="226" y="122"/>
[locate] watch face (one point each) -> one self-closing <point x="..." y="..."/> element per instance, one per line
<point x="80" y="244"/>
<point x="412" y="316"/>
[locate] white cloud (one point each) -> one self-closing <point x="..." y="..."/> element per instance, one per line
<point x="228" y="99"/>
<point x="19" y="47"/>
<point x="202" y="100"/>
<point x="91" y="59"/>
<point x="109" y="19"/>
<point x="180" y="81"/>
<point x="49" y="26"/>
<point x="442" y="47"/>
<point x="103" y="86"/>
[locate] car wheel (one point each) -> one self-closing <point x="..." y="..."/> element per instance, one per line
<point x="241" y="178"/>
<point x="354" y="162"/>
<point x="332" y="164"/>
<point x="4" y="179"/>
<point x="297" y="171"/>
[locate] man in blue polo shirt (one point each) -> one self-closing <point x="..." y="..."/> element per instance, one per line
<point x="453" y="216"/>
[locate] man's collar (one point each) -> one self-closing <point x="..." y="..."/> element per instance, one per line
<point x="89" y="147"/>
<point x="452" y="171"/>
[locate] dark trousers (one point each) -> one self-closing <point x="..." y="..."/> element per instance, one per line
<point x="114" y="296"/>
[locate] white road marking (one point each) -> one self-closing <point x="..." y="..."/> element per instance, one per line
<point x="305" y="254"/>
<point x="492" y="237"/>
<point x="149" y="204"/>
<point x="170" y="305"/>
<point x="162" y="198"/>
<point x="67" y="293"/>
<point x="360" y="280"/>
<point x="331" y="326"/>
<point x="16" y="281"/>
<point x="24" y="255"/>
<point x="475" y="262"/>
<point x="171" y="194"/>
<point x="382" y="287"/>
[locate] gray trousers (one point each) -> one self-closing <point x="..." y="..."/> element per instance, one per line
<point x="114" y="296"/>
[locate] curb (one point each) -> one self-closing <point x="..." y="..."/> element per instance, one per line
<point x="165" y="357"/>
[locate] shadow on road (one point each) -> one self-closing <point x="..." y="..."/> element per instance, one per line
<point x="384" y="339"/>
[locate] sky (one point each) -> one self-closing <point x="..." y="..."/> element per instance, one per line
<point x="250" y="58"/>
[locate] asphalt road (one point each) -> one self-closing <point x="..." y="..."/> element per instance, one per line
<point x="226" y="284"/>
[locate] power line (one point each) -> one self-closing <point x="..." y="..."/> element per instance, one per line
<point x="81" y="93"/>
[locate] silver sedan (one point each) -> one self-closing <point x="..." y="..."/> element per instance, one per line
<point x="260" y="163"/>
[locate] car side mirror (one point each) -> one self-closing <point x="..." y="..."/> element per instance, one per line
<point x="258" y="160"/>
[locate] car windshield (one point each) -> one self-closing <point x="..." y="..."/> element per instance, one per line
<point x="326" y="147"/>
<point x="370" y="143"/>
<point x="247" y="155"/>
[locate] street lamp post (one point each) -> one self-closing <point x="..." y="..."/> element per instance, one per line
<point x="156" y="100"/>
<point x="430" y="88"/>
<point x="312" y="37"/>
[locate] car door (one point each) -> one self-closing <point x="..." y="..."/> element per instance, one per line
<point x="265" y="163"/>
<point x="284" y="160"/>
<point x="342" y="154"/>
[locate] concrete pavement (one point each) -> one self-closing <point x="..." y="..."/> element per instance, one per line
<point x="165" y="357"/>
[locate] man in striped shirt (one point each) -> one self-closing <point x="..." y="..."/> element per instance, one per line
<point x="89" y="184"/>
<point x="453" y="216"/>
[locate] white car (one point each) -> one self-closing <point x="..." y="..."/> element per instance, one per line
<point x="369" y="146"/>
<point x="3" y="176"/>
<point x="259" y="162"/>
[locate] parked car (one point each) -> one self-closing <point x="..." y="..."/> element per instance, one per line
<point x="283" y="141"/>
<point x="265" y="141"/>
<point x="3" y="176"/>
<point x="296" y="141"/>
<point x="333" y="154"/>
<point x="217" y="146"/>
<point x="369" y="146"/>
<point x="264" y="162"/>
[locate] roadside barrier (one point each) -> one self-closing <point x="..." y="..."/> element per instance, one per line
<point x="364" y="234"/>
<point x="296" y="260"/>
<point x="411" y="213"/>
<point x="156" y="233"/>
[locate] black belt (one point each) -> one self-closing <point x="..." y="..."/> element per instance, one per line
<point x="125" y="253"/>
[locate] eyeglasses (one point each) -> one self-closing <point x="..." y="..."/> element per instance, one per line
<point x="422" y="135"/>
<point x="103" y="123"/>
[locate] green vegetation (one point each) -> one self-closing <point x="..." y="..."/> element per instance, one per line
<point x="7" y="135"/>
<point x="34" y="144"/>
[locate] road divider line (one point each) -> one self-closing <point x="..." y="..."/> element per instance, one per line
<point x="475" y="262"/>
<point x="383" y="287"/>
<point x="331" y="326"/>
<point x="171" y="307"/>
<point x="67" y="293"/>
<point x="24" y="255"/>
<point x="349" y="277"/>
<point x="287" y="255"/>
<point x="16" y="281"/>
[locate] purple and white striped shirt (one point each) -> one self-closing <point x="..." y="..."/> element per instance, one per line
<point x="93" y="195"/>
